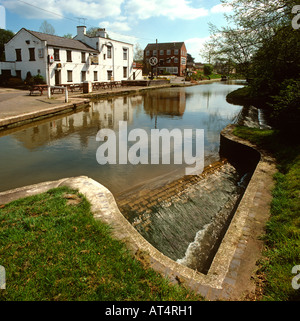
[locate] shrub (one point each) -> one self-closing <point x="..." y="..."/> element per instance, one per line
<point x="14" y="82"/>
<point x="286" y="106"/>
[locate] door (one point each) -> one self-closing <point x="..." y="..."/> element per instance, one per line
<point x="57" y="77"/>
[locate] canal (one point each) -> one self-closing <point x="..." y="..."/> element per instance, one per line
<point x="65" y="146"/>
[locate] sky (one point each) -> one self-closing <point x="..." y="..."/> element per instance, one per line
<point x="133" y="21"/>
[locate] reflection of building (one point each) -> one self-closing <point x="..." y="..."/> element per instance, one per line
<point x="170" y="103"/>
<point x="171" y="56"/>
<point x="103" y="114"/>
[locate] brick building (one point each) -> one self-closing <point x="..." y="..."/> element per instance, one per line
<point x="172" y="57"/>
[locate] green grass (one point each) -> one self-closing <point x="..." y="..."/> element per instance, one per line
<point x="282" y="239"/>
<point x="53" y="250"/>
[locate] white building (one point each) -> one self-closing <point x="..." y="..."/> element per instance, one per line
<point x="67" y="61"/>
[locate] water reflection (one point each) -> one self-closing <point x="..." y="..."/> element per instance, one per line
<point x="65" y="146"/>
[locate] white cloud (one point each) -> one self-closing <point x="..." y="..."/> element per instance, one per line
<point x="99" y="9"/>
<point x="95" y="9"/>
<point x="172" y="9"/>
<point x="79" y="8"/>
<point x="221" y="8"/>
<point x="31" y="10"/>
<point x="195" y="47"/>
<point x="118" y="26"/>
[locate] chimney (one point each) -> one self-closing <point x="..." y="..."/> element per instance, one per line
<point x="101" y="33"/>
<point x="81" y="31"/>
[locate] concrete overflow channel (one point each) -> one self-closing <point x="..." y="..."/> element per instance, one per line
<point x="229" y="274"/>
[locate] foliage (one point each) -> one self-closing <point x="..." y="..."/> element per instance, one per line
<point x="282" y="238"/>
<point x="68" y="36"/>
<point x="138" y="53"/>
<point x="190" y="58"/>
<point x="266" y="50"/>
<point x="5" y="36"/>
<point x="53" y="250"/>
<point x="207" y="70"/>
<point x="277" y="60"/>
<point x="34" y="80"/>
<point x="286" y="106"/>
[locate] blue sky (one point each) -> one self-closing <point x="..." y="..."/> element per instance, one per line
<point x="134" y="21"/>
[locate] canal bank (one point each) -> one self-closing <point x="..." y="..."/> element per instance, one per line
<point x="17" y="107"/>
<point x="230" y="274"/>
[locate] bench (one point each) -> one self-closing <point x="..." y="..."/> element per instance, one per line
<point x="59" y="89"/>
<point x="38" y="88"/>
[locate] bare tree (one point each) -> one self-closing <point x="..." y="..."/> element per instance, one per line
<point x="47" y="28"/>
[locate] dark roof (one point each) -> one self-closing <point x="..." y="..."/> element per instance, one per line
<point x="62" y="42"/>
<point x="164" y="45"/>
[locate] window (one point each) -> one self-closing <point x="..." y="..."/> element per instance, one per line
<point x="176" y="60"/>
<point x="83" y="76"/>
<point x="109" y="74"/>
<point x="83" y="60"/>
<point x="56" y="55"/>
<point x="95" y="75"/>
<point x="124" y="72"/>
<point x="18" y="55"/>
<point x="124" y="54"/>
<point x="31" y="54"/>
<point x="148" y="53"/>
<point x="168" y="52"/>
<point x="109" y="52"/>
<point x="18" y="74"/>
<point x="175" y="51"/>
<point x="161" y="62"/>
<point x="183" y="61"/>
<point x="69" y="56"/>
<point x="161" y="52"/>
<point x="154" y="52"/>
<point x="70" y="75"/>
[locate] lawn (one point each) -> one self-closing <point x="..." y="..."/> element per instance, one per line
<point x="282" y="239"/>
<point x="53" y="249"/>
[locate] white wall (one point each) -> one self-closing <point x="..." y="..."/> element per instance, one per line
<point x="76" y="66"/>
<point x="116" y="62"/>
<point x="25" y="40"/>
<point x="19" y="42"/>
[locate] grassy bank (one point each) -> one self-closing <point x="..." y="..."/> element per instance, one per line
<point x="53" y="249"/>
<point x="282" y="239"/>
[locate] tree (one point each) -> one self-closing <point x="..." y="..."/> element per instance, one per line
<point x="190" y="58"/>
<point x="47" y="28"/>
<point x="92" y="31"/>
<point x="207" y="70"/>
<point x="138" y="53"/>
<point x="68" y="36"/>
<point x="5" y="36"/>
<point x="263" y="33"/>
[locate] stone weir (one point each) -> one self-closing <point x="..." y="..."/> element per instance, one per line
<point x="229" y="274"/>
<point x="186" y="219"/>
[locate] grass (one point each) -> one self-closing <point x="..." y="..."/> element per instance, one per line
<point x="282" y="239"/>
<point x="53" y="250"/>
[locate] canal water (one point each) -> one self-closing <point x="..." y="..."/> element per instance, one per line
<point x="66" y="146"/>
